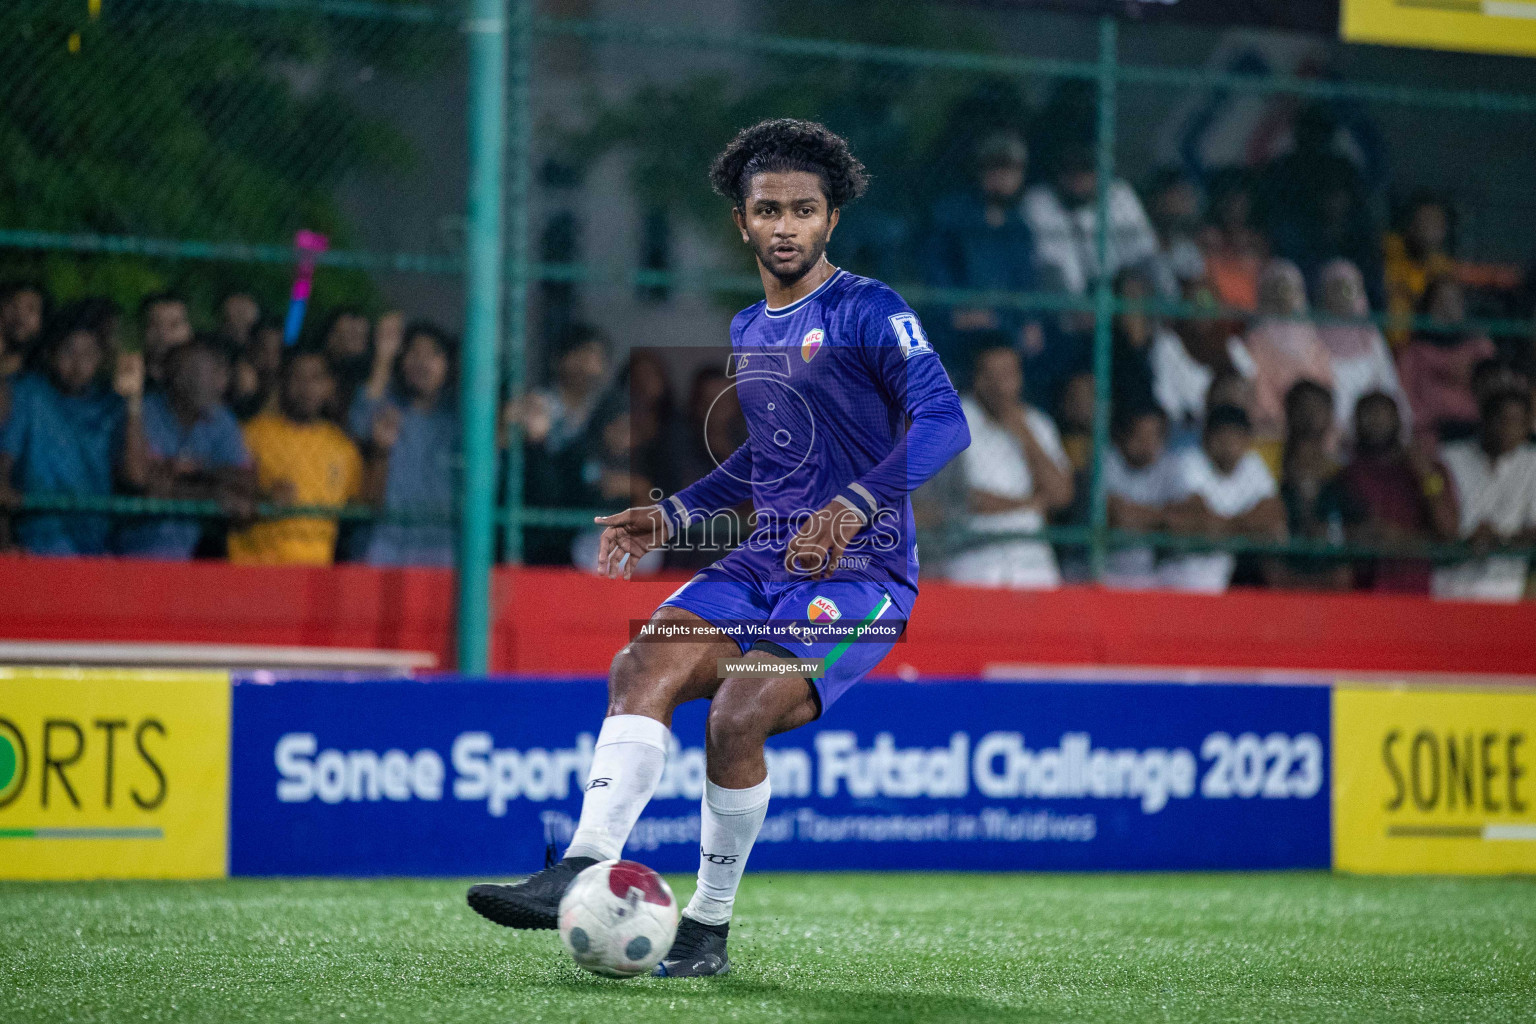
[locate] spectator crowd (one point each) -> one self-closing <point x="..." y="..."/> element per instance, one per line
<point x="1252" y="397"/>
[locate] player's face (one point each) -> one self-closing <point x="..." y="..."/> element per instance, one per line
<point x="786" y="220"/>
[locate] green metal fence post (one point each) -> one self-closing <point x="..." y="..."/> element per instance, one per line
<point x="519" y="262"/>
<point x="486" y="28"/>
<point x="1103" y="294"/>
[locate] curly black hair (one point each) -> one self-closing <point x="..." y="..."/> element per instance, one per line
<point x="785" y="144"/>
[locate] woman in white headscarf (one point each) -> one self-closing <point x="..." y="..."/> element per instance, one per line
<point x="1285" y="347"/>
<point x="1362" y="362"/>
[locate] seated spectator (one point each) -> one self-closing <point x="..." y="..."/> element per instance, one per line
<point x="558" y="438"/>
<point x="1016" y="474"/>
<point x="1187" y="358"/>
<point x="68" y="435"/>
<point x="1074" y="419"/>
<point x="239" y="313"/>
<point x="1396" y="496"/>
<point x="103" y="316"/>
<point x="1494" y="375"/>
<point x="1494" y="477"/>
<point x="1310" y="490"/>
<point x="646" y="390"/>
<point x="1285" y="349"/>
<point x="1063" y="214"/>
<point x="23" y="311"/>
<point x="1361" y="362"/>
<point x="407" y="411"/>
<point x="196" y="452"/>
<point x="1141" y="481"/>
<point x="1173" y="206"/>
<point x="1418" y="252"/>
<point x="982" y="242"/>
<point x="1234" y="250"/>
<point x="302" y="458"/>
<point x="163" y="325"/>
<point x="1229" y="492"/>
<point x="254" y="384"/>
<point x="345" y="343"/>
<point x="1437" y="365"/>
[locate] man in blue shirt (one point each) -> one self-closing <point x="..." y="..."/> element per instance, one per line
<point x="196" y="452"/>
<point x="69" y="436"/>
<point x="848" y="411"/>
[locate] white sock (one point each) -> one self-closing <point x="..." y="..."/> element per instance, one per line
<point x="627" y="760"/>
<point x="731" y="821"/>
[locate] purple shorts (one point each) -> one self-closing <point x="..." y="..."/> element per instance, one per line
<point x="850" y="624"/>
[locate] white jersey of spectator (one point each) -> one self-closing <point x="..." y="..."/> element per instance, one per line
<point x="1226" y="495"/>
<point x="995" y="463"/>
<point x="1156" y="485"/>
<point x="1180" y="381"/>
<point x="1502" y="495"/>
<point x="1065" y="244"/>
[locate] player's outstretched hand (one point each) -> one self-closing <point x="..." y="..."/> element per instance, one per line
<point x="629" y="535"/>
<point x="817" y="548"/>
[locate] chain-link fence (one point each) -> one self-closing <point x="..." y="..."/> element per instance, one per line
<point x="182" y="143"/>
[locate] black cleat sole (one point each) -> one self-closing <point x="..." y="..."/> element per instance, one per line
<point x="512" y="910"/>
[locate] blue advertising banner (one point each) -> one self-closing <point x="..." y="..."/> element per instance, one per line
<point x="474" y="777"/>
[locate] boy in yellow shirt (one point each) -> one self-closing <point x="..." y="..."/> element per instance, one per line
<point x="302" y="458"/>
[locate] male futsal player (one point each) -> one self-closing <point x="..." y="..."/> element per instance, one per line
<point x="848" y="411"/>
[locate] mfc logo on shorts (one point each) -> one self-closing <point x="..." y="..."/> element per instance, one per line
<point x="909" y="335"/>
<point x="823" y="609"/>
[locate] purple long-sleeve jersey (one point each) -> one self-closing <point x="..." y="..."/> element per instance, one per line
<point x="844" y="399"/>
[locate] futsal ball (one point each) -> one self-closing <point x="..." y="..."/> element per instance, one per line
<point x="618" y="919"/>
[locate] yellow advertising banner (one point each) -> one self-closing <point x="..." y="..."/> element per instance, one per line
<point x="1483" y="26"/>
<point x="1434" y="781"/>
<point x="108" y="773"/>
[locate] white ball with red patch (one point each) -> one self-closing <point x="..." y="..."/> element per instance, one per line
<point x="618" y="919"/>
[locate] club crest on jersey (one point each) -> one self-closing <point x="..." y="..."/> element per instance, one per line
<point x="823" y="609"/>
<point x="909" y="335"/>
<point x="811" y="343"/>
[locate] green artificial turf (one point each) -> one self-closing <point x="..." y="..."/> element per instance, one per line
<point x="806" y="948"/>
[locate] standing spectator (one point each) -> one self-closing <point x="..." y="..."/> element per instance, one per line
<point x="1228" y="492"/>
<point x="1437" y="365"/>
<point x="1313" y="202"/>
<point x="163" y="325"/>
<point x="557" y="431"/>
<point x="302" y="458"/>
<point x="345" y="345"/>
<point x="1234" y="250"/>
<point x="239" y="313"/>
<point x="1132" y="342"/>
<point x="407" y="411"/>
<point x="23" y="311"/>
<point x="981" y="241"/>
<point x="1173" y="205"/>
<point x="69" y="435"/>
<point x="1141" y="481"/>
<point x="1310" y="490"/>
<point x="1016" y="473"/>
<point x="1358" y="353"/>
<point x="196" y="452"/>
<point x="1495" y="481"/>
<point x="258" y="366"/>
<point x="1416" y="254"/>
<point x="1397" y="496"/>
<point x="1285" y="349"/>
<point x="1063" y="214"/>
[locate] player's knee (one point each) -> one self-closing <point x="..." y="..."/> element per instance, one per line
<point x="734" y="723"/>
<point x="636" y="682"/>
